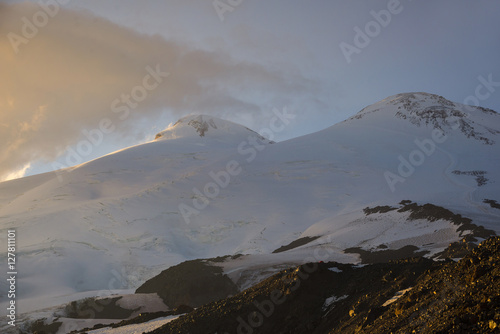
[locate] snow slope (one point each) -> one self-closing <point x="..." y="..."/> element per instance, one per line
<point x="208" y="187"/>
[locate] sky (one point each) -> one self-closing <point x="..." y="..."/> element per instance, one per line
<point x="81" y="79"/>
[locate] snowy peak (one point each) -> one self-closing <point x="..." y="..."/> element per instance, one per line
<point x="430" y="110"/>
<point x="415" y="106"/>
<point x="198" y="123"/>
<point x="205" y="126"/>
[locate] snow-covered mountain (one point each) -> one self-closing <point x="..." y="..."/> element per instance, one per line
<point x="207" y="187"/>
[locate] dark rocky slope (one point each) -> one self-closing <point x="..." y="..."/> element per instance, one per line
<point x="446" y="297"/>
<point x="192" y="283"/>
<point x="293" y="301"/>
<point x="461" y="297"/>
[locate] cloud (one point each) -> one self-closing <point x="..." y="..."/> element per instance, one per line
<point x="67" y="73"/>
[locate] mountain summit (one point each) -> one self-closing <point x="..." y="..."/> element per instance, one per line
<point x="424" y="109"/>
<point x="205" y="126"/>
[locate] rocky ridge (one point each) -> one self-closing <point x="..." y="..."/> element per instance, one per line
<point x="440" y="297"/>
